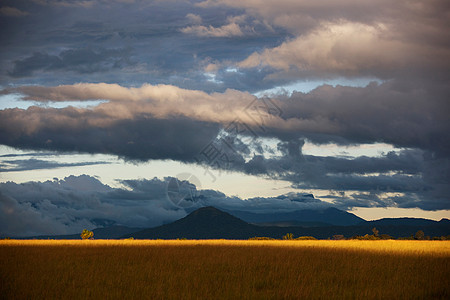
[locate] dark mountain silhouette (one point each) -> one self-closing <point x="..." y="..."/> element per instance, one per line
<point x="405" y="221"/>
<point x="212" y="223"/>
<point x="306" y="217"/>
<point x="293" y="224"/>
<point x="113" y="232"/>
<point x="204" y="223"/>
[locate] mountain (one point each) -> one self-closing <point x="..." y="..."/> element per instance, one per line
<point x="293" y="224"/>
<point x="212" y="223"/>
<point x="404" y="221"/>
<point x="306" y="217"/>
<point x="204" y="223"/>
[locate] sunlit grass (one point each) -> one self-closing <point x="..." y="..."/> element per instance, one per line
<point x="212" y="269"/>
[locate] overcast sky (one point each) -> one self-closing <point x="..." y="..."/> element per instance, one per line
<point x="104" y="103"/>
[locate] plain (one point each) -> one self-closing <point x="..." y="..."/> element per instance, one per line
<point x="224" y="269"/>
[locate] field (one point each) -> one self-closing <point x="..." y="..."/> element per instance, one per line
<point x="221" y="269"/>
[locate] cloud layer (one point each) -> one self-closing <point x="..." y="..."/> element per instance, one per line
<point x="166" y="122"/>
<point x="271" y="43"/>
<point x="68" y="206"/>
<point x="176" y="81"/>
<point x="405" y="114"/>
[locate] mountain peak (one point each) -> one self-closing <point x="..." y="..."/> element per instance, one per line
<point x="211" y="216"/>
<point x="207" y="210"/>
<point x="203" y="223"/>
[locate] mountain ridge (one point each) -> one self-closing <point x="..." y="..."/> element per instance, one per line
<point x="212" y="223"/>
<point x="329" y="216"/>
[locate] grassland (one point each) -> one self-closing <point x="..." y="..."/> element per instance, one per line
<point x="220" y="269"/>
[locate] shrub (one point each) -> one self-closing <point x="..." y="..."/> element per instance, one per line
<point x="371" y="237"/>
<point x="420" y="235"/>
<point x="385" y="237"/>
<point x="86" y="234"/>
<point x="261" y="238"/>
<point x="288" y="236"/>
<point x="306" y="238"/>
<point x="441" y="238"/>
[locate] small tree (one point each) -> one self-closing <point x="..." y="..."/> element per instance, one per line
<point x="420" y="235"/>
<point x="86" y="234"/>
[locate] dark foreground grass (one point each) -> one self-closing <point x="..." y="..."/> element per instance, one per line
<point x="251" y="270"/>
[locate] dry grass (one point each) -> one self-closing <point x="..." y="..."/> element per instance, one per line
<point x="215" y="269"/>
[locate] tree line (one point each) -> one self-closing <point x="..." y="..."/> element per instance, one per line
<point x="419" y="235"/>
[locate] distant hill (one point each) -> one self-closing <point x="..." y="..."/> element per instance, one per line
<point x="306" y="217"/>
<point x="406" y="221"/>
<point x="212" y="223"/>
<point x="293" y="224"/>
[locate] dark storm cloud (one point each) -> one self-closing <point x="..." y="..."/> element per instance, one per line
<point x="161" y="53"/>
<point x="387" y="40"/>
<point x="405" y="114"/>
<point x="77" y="60"/>
<point x="70" y="205"/>
<point x="248" y="46"/>
<point x="408" y="114"/>
<point x="139" y="139"/>
<point x="163" y="122"/>
<point x="415" y="179"/>
<point x="373" y="199"/>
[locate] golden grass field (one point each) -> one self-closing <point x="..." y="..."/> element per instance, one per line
<point x="223" y="269"/>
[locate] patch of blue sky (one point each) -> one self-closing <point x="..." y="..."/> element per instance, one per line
<point x="15" y="101"/>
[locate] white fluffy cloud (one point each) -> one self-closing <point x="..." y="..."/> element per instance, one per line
<point x="348" y="49"/>
<point x="156" y="101"/>
<point x="351" y="38"/>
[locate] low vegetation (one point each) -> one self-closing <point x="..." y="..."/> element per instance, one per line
<point x="419" y="235"/>
<point x="224" y="269"/>
<point x="87" y="234"/>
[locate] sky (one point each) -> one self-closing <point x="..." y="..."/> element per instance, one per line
<point x="135" y="112"/>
